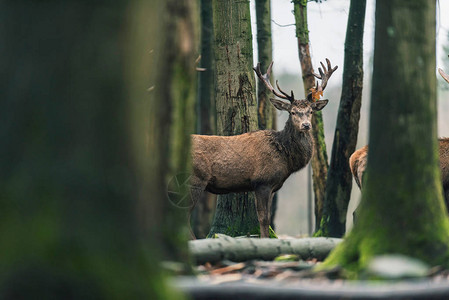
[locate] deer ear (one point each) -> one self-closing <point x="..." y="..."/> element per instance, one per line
<point x="319" y="104"/>
<point x="281" y="105"/>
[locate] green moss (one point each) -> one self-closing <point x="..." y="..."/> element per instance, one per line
<point x="319" y="138"/>
<point x="323" y="230"/>
<point x="300" y="11"/>
<point x="287" y="257"/>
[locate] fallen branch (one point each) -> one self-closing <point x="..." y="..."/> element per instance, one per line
<point x="243" y="249"/>
<point x="266" y="289"/>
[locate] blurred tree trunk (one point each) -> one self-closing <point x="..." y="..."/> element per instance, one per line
<point x="265" y="112"/>
<point x="72" y="156"/>
<point x="339" y="178"/>
<point x="171" y="114"/>
<point x="402" y="209"/>
<point x="235" y="104"/>
<point x="203" y="212"/>
<point x="319" y="158"/>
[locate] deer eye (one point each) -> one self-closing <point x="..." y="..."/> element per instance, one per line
<point x="293" y="113"/>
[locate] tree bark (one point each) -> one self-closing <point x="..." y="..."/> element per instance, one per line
<point x="319" y="159"/>
<point x="204" y="210"/>
<point x="171" y="116"/>
<point x="266" y="113"/>
<point x="402" y="209"/>
<point x="235" y="104"/>
<point x="339" y="177"/>
<point x="72" y="156"/>
<point x="244" y="249"/>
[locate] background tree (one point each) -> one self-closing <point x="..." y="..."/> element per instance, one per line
<point x="339" y="178"/>
<point x="203" y="213"/>
<point x="402" y="209"/>
<point x="74" y="77"/>
<point x="235" y="104"/>
<point x="265" y="111"/>
<point x="319" y="159"/>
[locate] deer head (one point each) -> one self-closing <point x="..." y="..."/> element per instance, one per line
<point x="300" y="110"/>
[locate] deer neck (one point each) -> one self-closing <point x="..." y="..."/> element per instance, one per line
<point x="296" y="146"/>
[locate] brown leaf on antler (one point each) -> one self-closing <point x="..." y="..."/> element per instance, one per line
<point x="316" y="95"/>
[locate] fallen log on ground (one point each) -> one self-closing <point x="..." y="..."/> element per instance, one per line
<point x="266" y="289"/>
<point x="243" y="249"/>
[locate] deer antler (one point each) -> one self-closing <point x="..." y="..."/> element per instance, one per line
<point x="266" y="80"/>
<point x="324" y="77"/>
<point x="444" y="75"/>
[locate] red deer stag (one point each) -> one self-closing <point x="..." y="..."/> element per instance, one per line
<point x="259" y="161"/>
<point x="358" y="160"/>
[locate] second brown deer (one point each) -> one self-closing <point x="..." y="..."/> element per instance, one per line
<point x="358" y="159"/>
<point x="259" y="161"/>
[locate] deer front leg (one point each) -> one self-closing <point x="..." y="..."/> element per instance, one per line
<point x="264" y="197"/>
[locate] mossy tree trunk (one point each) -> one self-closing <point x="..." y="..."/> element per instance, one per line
<point x="266" y="113"/>
<point x="72" y="157"/>
<point x="235" y="104"/>
<point x="402" y="209"/>
<point x="265" y="110"/>
<point x="339" y="177"/>
<point x="171" y="115"/>
<point x="203" y="212"/>
<point x="319" y="159"/>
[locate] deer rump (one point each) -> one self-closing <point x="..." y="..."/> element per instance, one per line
<point x="358" y="160"/>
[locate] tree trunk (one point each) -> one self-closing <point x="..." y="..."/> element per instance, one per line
<point x="203" y="212"/>
<point x="402" y="209"/>
<point x="339" y="178"/>
<point x="319" y="158"/>
<point x="72" y="156"/>
<point x="244" y="249"/>
<point x="206" y="102"/>
<point x="266" y="113"/>
<point x="171" y="116"/>
<point x="235" y="104"/>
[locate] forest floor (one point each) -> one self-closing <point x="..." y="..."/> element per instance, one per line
<point x="287" y="272"/>
<point x="292" y="277"/>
